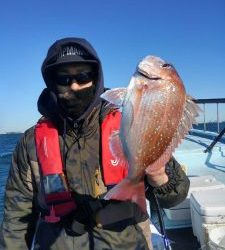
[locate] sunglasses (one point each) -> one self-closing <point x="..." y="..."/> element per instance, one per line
<point x="81" y="78"/>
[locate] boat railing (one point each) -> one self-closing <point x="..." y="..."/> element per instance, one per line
<point x="216" y="101"/>
<point x="219" y="120"/>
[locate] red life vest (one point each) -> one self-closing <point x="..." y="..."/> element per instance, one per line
<point x="113" y="171"/>
<point x="58" y="197"/>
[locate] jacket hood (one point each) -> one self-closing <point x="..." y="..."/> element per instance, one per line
<point x="64" y="51"/>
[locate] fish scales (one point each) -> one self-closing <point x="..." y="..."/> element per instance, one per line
<point x="143" y="133"/>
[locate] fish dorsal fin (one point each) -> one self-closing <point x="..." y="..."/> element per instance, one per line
<point x="190" y="112"/>
<point x="115" y="96"/>
<point x="116" y="147"/>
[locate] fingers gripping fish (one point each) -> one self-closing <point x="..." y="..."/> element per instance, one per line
<point x="156" y="115"/>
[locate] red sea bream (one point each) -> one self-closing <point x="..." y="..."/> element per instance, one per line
<point x="156" y="115"/>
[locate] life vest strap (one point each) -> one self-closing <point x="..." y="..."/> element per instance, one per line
<point x="57" y="195"/>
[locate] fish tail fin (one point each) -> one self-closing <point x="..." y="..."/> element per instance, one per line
<point x="128" y="190"/>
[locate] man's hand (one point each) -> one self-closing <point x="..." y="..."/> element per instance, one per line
<point x="157" y="177"/>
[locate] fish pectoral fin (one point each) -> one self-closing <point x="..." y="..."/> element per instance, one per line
<point x="115" y="96"/>
<point x="191" y="111"/>
<point x="128" y="190"/>
<point x="116" y="147"/>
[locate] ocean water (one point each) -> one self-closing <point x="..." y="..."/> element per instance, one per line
<point x="7" y="146"/>
<point x="210" y="126"/>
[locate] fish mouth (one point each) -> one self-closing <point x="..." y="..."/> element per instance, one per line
<point x="150" y="77"/>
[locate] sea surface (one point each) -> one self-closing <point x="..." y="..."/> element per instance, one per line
<point x="210" y="126"/>
<point x="8" y="143"/>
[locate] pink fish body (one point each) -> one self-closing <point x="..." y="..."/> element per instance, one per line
<point x="156" y="115"/>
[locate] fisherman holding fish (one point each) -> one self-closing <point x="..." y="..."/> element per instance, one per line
<point x="80" y="177"/>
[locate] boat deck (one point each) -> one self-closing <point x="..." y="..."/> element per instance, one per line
<point x="196" y="162"/>
<point x="180" y="239"/>
<point x="190" y="154"/>
<point x="183" y="239"/>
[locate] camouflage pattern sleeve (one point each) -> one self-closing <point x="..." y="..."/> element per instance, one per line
<point x="18" y="220"/>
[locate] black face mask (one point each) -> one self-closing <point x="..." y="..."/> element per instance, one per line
<point x="77" y="102"/>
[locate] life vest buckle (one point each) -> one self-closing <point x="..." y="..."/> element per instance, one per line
<point x="52" y="218"/>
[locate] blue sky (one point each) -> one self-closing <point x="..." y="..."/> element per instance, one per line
<point x="190" y="34"/>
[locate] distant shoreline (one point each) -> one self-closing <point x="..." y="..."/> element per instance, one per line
<point x="11" y="133"/>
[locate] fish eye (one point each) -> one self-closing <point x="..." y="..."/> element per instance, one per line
<point x="166" y="65"/>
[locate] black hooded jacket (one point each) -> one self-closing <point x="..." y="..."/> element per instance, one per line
<point x="80" y="145"/>
<point x="47" y="103"/>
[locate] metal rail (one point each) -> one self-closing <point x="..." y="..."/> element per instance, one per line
<point x="216" y="101"/>
<point x="210" y="147"/>
<point x="213" y="100"/>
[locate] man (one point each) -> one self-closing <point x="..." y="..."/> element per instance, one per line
<point x="54" y="193"/>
